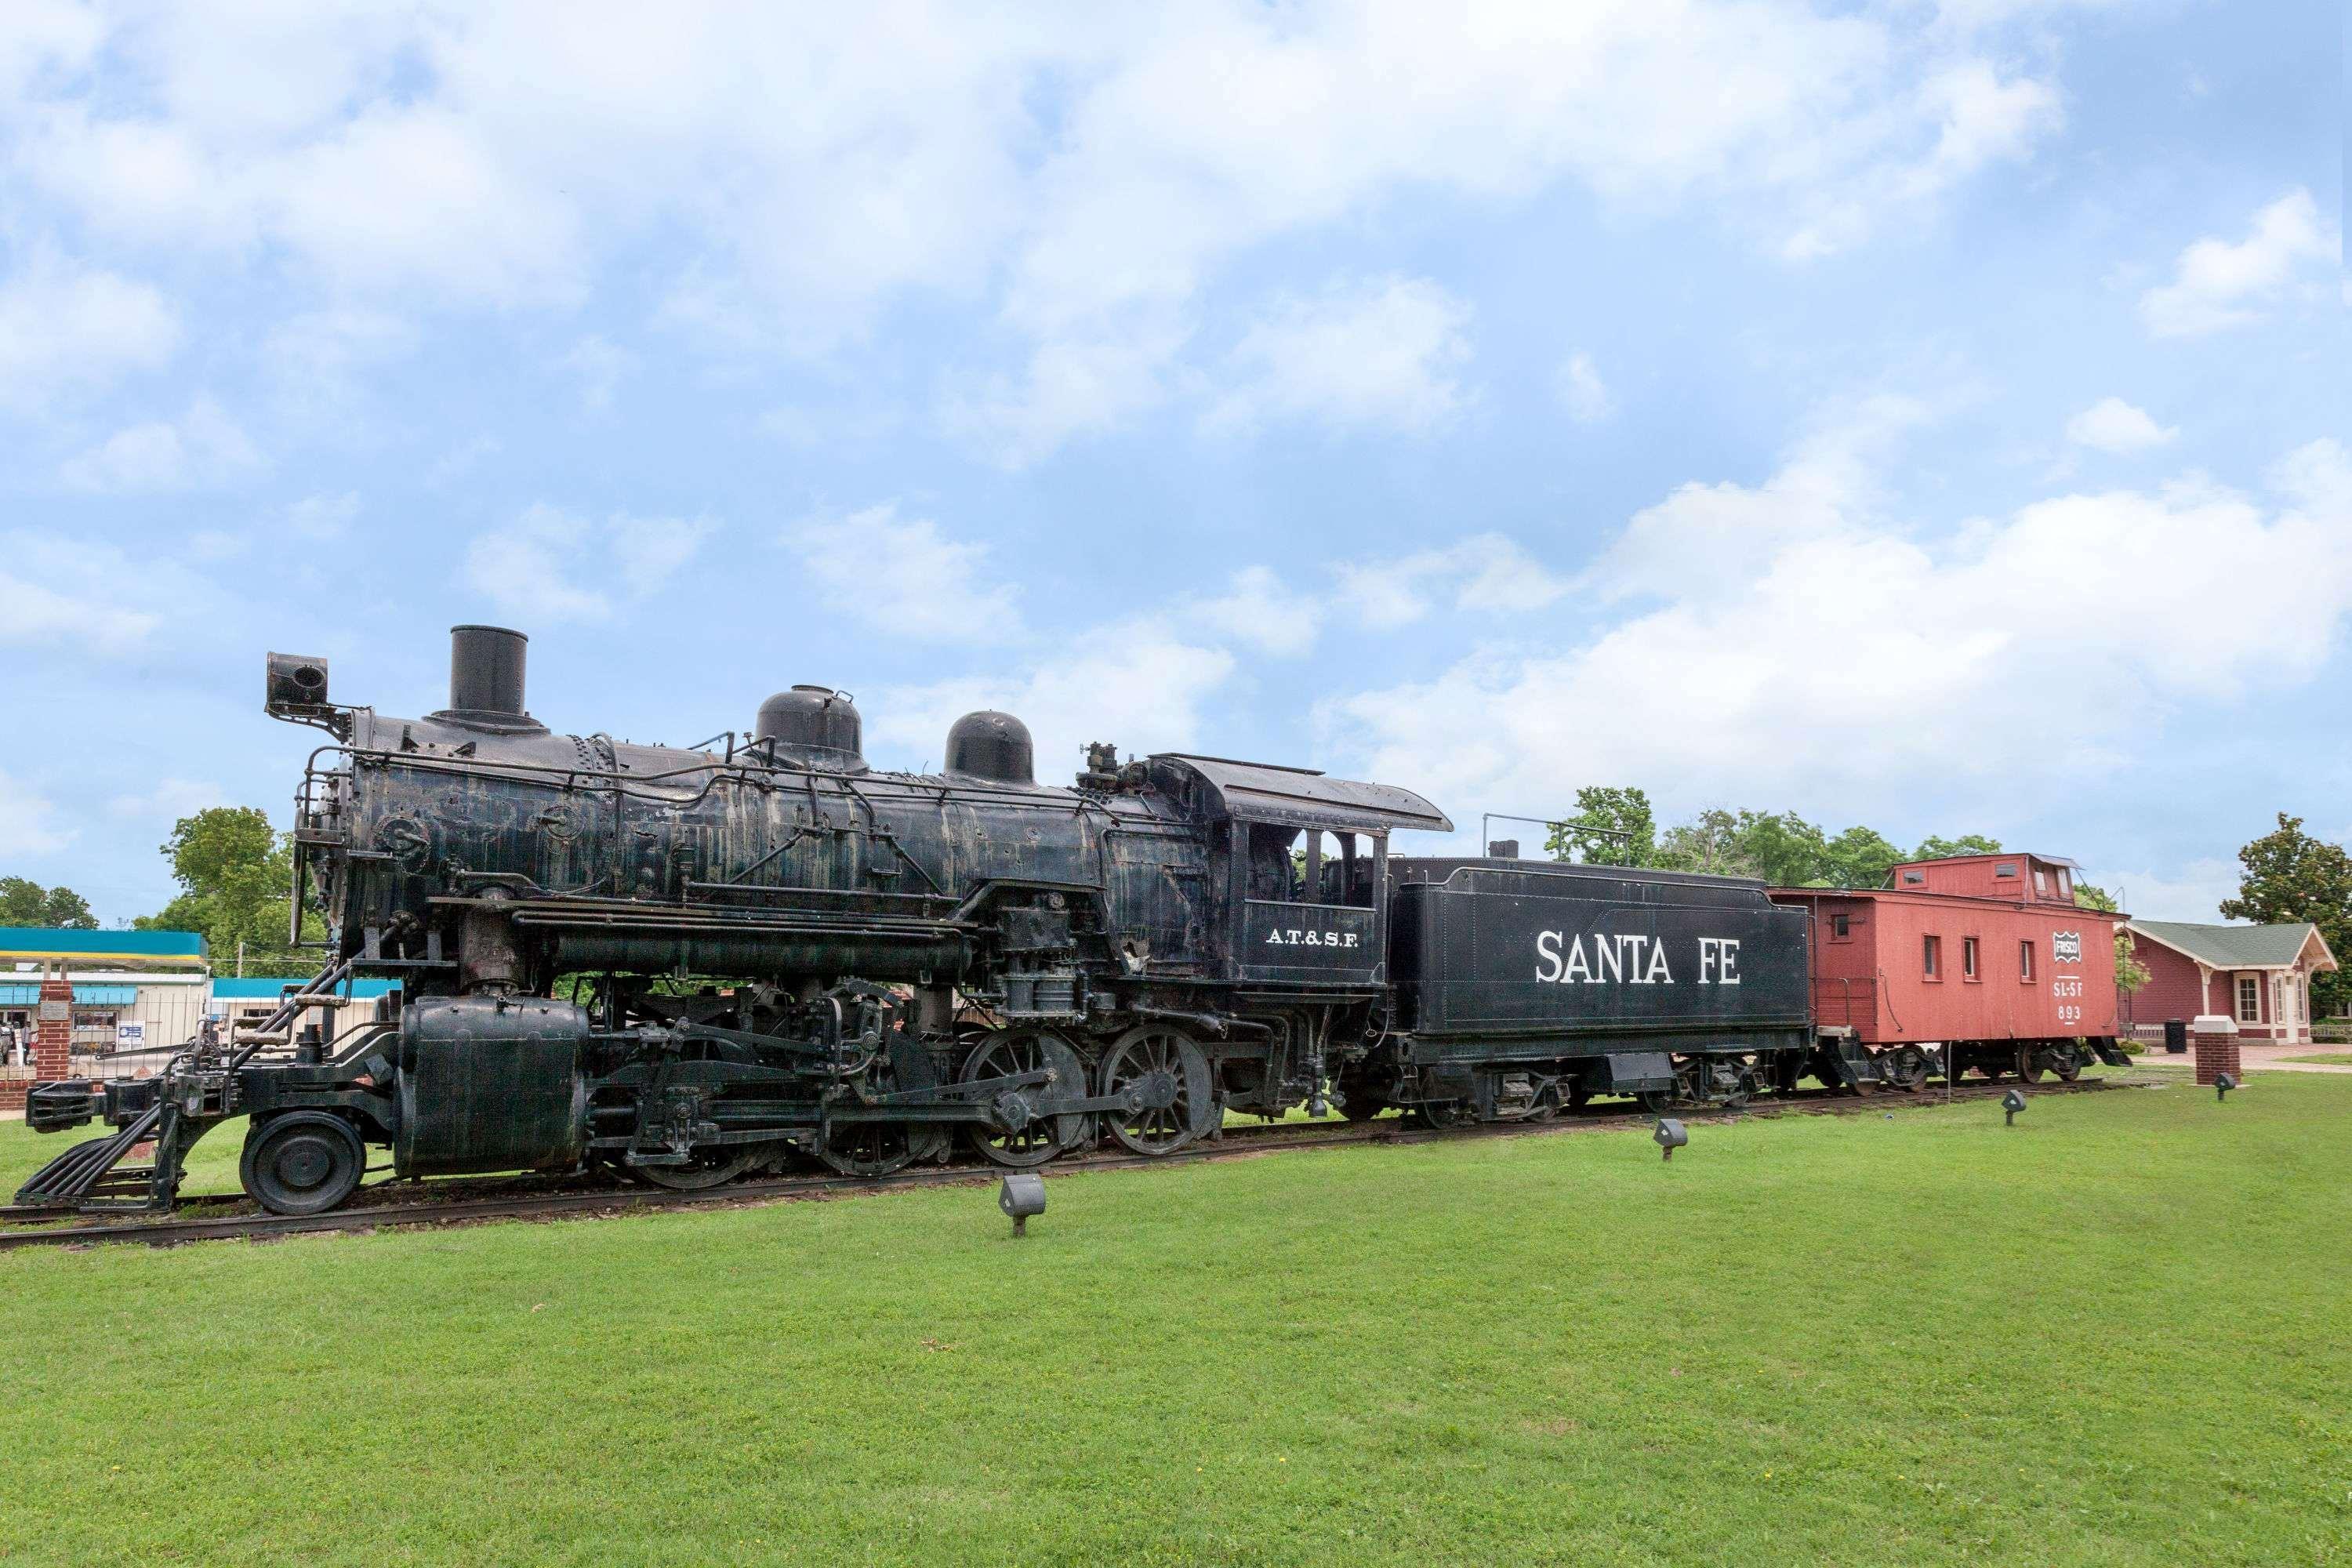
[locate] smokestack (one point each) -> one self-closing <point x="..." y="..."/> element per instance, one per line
<point x="486" y="666"/>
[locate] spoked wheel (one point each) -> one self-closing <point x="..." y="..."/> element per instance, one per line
<point x="878" y="1148"/>
<point x="1658" y="1101"/>
<point x="1025" y="1051"/>
<point x="1143" y="1051"/>
<point x="305" y="1162"/>
<point x="713" y="1166"/>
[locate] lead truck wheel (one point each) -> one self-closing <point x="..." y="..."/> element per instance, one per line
<point x="303" y="1163"/>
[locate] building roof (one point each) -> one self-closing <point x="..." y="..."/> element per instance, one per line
<point x="174" y="949"/>
<point x="2238" y="947"/>
<point x="268" y="988"/>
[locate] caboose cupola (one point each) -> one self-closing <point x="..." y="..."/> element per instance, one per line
<point x="994" y="746"/>
<point x="814" y="726"/>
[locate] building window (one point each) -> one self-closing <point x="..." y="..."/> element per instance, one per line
<point x="1931" y="956"/>
<point x="2006" y="869"/>
<point x="2250" y="999"/>
<point x="2025" y="961"/>
<point x="1968" y="959"/>
<point x="1840" y="927"/>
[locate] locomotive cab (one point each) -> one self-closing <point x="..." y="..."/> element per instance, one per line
<point x="1303" y="859"/>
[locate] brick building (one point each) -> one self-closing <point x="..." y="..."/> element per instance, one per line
<point x="2258" y="975"/>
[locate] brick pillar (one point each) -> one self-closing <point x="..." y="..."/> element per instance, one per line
<point x="2216" y="1040"/>
<point x="53" y="1037"/>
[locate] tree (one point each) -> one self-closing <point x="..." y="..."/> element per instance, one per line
<point x="1860" y="858"/>
<point x="1934" y="849"/>
<point x="1707" y="843"/>
<point x="236" y="873"/>
<point x="1786" y="850"/>
<point x="2290" y="876"/>
<point x="1611" y="827"/>
<point x="2130" y="973"/>
<point x="2090" y="898"/>
<point x="28" y="903"/>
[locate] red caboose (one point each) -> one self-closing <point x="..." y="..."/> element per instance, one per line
<point x="1981" y="962"/>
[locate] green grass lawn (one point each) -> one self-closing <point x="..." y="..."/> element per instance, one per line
<point x="2332" y="1059"/>
<point x="2114" y="1334"/>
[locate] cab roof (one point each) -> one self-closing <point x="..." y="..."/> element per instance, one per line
<point x="1266" y="792"/>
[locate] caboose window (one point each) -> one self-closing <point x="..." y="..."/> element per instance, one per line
<point x="1839" y="927"/>
<point x="2006" y="869"/>
<point x="1931" y="956"/>
<point x="1915" y="878"/>
<point x="2041" y="882"/>
<point x="1968" y="959"/>
<point x="2025" y="961"/>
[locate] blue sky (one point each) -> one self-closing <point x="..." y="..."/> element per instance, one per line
<point x="1931" y="416"/>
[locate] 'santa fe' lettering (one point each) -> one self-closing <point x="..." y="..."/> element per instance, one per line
<point x="1629" y="958"/>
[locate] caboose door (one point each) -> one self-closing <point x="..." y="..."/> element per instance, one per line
<point x="1308" y="903"/>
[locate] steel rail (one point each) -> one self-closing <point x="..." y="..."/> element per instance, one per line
<point x="1231" y="1144"/>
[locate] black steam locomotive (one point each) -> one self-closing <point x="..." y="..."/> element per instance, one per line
<point x="687" y="965"/>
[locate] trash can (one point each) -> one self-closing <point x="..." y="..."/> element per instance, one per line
<point x="2176" y="1036"/>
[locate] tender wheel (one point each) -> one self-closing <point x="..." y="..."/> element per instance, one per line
<point x="1152" y="1048"/>
<point x="1025" y="1051"/>
<point x="1658" y="1101"/>
<point x="1442" y="1114"/>
<point x="711" y="1167"/>
<point x="305" y="1162"/>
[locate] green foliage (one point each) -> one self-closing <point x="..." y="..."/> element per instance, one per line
<point x="1934" y="849"/>
<point x="28" y="903"/>
<point x="2291" y="875"/>
<point x="1612" y="826"/>
<point x="2130" y="973"/>
<point x="1494" y="1352"/>
<point x="235" y="874"/>
<point x="2090" y="898"/>
<point x="1859" y="857"/>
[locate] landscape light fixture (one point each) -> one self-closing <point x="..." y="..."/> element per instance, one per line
<point x="1023" y="1194"/>
<point x="2013" y="1103"/>
<point x="1670" y="1136"/>
<point x="2223" y="1084"/>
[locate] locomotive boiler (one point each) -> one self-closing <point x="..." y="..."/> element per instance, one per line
<point x="682" y="965"/>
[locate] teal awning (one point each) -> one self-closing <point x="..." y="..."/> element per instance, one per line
<point x="84" y="995"/>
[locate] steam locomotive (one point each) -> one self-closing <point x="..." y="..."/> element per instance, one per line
<point x="686" y="964"/>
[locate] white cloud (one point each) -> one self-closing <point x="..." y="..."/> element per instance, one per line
<point x="462" y="459"/>
<point x="28" y="820"/>
<point x="599" y="368"/>
<point x="79" y="594"/>
<point x="2217" y="284"/>
<point x="1853" y="658"/>
<point x="1378" y="354"/>
<point x="1086" y="176"/>
<point x="1484" y="574"/>
<point x="1258" y="610"/>
<point x="2192" y="892"/>
<point x="1140" y="685"/>
<point x="1581" y="392"/>
<point x="905" y="575"/>
<point x="323" y="516"/>
<point x="203" y="447"/>
<point x="170" y="800"/>
<point x="541" y="567"/>
<point x="67" y="330"/>
<point x="317" y="359"/>
<point x="2111" y="424"/>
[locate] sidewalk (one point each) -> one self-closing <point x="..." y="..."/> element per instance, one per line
<point x="2258" y="1058"/>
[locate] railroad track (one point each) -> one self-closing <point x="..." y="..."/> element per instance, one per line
<point x="413" y="1208"/>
